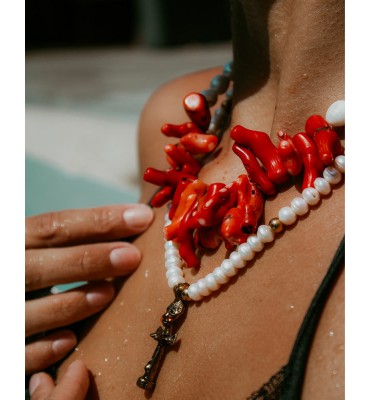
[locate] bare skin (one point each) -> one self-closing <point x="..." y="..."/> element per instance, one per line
<point x="234" y="341"/>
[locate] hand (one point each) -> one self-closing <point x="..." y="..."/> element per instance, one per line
<point x="69" y="246"/>
<point x="73" y="385"/>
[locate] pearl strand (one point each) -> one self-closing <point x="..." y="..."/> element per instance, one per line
<point x="245" y="252"/>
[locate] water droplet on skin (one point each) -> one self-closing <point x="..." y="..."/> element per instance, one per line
<point x="146" y="274"/>
<point x="292" y="307"/>
<point x="148" y="309"/>
<point x="99" y="373"/>
<point x="106" y="359"/>
<point x="77" y="349"/>
<point x="125" y="341"/>
<point x="331" y="333"/>
<point x="334" y="372"/>
<point x="121" y="303"/>
<point x="118" y="358"/>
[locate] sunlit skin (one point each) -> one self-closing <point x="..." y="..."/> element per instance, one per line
<point x="289" y="64"/>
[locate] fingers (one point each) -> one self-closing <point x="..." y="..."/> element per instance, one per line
<point x="53" y="266"/>
<point x="87" y="225"/>
<point x="73" y="385"/>
<point x="58" y="310"/>
<point x="41" y="386"/>
<point x="48" y="350"/>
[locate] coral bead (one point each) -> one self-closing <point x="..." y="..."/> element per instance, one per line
<point x="339" y="163"/>
<point x="245" y="251"/>
<point x="287" y="216"/>
<point x="265" y="234"/>
<point x="193" y="292"/>
<point x="322" y="186"/>
<point x="299" y="206"/>
<point x="311" y="195"/>
<point x="332" y="175"/>
<point x="197" y="108"/>
<point x="336" y="114"/>
<point x="255" y="243"/>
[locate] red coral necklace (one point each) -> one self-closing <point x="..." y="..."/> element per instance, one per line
<point x="203" y="216"/>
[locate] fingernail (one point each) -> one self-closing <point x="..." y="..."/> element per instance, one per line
<point x="138" y="216"/>
<point x="64" y="344"/>
<point x="125" y="258"/>
<point x="100" y="296"/>
<point x="34" y="383"/>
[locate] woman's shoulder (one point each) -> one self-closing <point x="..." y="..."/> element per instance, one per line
<point x="165" y="106"/>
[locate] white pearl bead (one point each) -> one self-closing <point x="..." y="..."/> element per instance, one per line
<point x="211" y="282"/>
<point x="245" y="251"/>
<point x="311" y="195"/>
<point x="236" y="260"/>
<point x="220" y="276"/>
<point x="172" y="262"/>
<point x="171" y="252"/>
<point x="265" y="234"/>
<point x="175" y="280"/>
<point x="336" y="114"/>
<point x="332" y="175"/>
<point x="173" y="271"/>
<point x="322" y="186"/>
<point x="339" y="163"/>
<point x="255" y="243"/>
<point x="169" y="244"/>
<point x="287" y="216"/>
<point x="202" y="287"/>
<point x="228" y="268"/>
<point x="299" y="206"/>
<point x="193" y="292"/>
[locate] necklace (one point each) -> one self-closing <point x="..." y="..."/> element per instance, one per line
<point x="202" y="216"/>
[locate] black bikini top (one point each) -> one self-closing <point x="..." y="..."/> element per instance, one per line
<point x="287" y="383"/>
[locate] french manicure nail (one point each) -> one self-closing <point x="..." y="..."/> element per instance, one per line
<point x="125" y="258"/>
<point x="100" y="296"/>
<point x="138" y="216"/>
<point x="64" y="344"/>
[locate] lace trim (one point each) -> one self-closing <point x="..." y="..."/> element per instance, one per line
<point x="272" y="389"/>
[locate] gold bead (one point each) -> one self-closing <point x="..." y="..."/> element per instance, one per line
<point x="276" y="225"/>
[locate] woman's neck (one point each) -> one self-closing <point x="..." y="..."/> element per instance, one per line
<point x="289" y="57"/>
